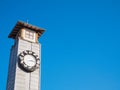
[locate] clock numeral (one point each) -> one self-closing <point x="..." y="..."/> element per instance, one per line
<point x="25" y="52"/>
<point x="21" y="62"/>
<point x="30" y="52"/>
<point x="21" y="57"/>
<point x="22" y="54"/>
<point x="38" y="62"/>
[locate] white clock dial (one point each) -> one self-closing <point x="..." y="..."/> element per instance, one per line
<point x="29" y="60"/>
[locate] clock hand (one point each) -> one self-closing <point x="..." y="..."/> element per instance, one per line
<point x="31" y="60"/>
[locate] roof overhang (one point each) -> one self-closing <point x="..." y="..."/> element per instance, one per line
<point x="20" y="25"/>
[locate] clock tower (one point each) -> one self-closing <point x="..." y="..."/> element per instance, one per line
<point x="25" y="58"/>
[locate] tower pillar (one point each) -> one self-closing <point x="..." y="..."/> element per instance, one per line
<point x="25" y="58"/>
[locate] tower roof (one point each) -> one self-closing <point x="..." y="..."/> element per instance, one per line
<point x="19" y="25"/>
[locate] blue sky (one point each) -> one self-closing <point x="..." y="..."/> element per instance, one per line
<point x="81" y="45"/>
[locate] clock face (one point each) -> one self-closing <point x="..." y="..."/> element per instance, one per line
<point x="29" y="60"/>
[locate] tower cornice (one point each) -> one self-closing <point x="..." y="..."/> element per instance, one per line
<point x="20" y="25"/>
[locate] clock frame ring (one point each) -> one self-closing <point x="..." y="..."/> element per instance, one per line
<point x="24" y="65"/>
